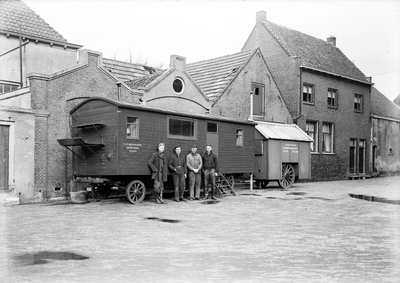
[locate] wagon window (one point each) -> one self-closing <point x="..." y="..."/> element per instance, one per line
<point x="182" y="128"/>
<point x="239" y="137"/>
<point x="132" y="128"/>
<point x="212" y="127"/>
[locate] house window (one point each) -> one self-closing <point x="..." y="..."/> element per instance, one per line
<point x="132" y="128"/>
<point x="358" y="102"/>
<point x="178" y="85"/>
<point x="327" y="138"/>
<point x="8" y="87"/>
<point x="212" y="127"/>
<point x="258" y="99"/>
<point x="312" y="131"/>
<point x="182" y="128"/>
<point x="239" y="137"/>
<point x="332" y="98"/>
<point x="308" y="93"/>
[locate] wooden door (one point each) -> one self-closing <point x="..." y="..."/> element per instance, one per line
<point x="4" y="156"/>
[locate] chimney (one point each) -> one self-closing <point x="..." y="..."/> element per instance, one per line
<point x="261" y="16"/>
<point x="179" y="62"/>
<point x="331" y="40"/>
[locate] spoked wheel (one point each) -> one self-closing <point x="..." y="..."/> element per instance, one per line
<point x="101" y="191"/>
<point x="135" y="192"/>
<point x="231" y="180"/>
<point x="287" y="177"/>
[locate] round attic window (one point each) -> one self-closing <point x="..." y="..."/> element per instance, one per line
<point x="178" y="85"/>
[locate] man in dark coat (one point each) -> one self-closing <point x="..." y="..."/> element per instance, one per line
<point x="177" y="165"/>
<point x="158" y="166"/>
<point x="210" y="170"/>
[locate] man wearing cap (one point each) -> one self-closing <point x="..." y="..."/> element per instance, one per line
<point x="158" y="166"/>
<point x="194" y="164"/>
<point x="177" y="166"/>
<point x="210" y="170"/>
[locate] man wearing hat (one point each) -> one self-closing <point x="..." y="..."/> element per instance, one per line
<point x="158" y="166"/>
<point x="194" y="164"/>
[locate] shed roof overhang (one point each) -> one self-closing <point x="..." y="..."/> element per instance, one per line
<point x="282" y="132"/>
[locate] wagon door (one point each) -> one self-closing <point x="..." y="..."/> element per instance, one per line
<point x="212" y="137"/>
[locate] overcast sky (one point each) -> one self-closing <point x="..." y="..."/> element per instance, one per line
<point x="368" y="32"/>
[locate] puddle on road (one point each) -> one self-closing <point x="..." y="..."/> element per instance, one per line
<point x="297" y="193"/>
<point x="375" y="199"/>
<point x="163" y="220"/>
<point x="250" y="195"/>
<point x="45" y="257"/>
<point x="303" y="198"/>
<point x="209" y="202"/>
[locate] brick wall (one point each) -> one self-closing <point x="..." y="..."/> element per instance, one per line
<point x="52" y="99"/>
<point x="235" y="101"/>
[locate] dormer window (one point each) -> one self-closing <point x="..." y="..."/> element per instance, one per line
<point x="178" y="85"/>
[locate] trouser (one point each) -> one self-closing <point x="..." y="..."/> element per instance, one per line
<point x="179" y="184"/>
<point x="209" y="179"/>
<point x="158" y="193"/>
<point x="194" y="184"/>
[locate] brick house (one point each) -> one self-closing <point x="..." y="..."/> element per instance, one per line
<point x="327" y="96"/>
<point x="385" y="135"/>
<point x="229" y="80"/>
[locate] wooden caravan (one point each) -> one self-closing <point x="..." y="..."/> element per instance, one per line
<point x="282" y="153"/>
<point x="112" y="142"/>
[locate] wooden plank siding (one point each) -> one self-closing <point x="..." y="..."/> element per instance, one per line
<point x="125" y="156"/>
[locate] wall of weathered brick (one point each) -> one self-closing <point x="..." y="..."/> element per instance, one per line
<point x="52" y="99"/>
<point x="235" y="101"/>
<point x="347" y="123"/>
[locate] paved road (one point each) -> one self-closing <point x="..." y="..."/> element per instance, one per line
<point x="314" y="232"/>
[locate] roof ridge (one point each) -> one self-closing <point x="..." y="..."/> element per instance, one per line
<point x="250" y="51"/>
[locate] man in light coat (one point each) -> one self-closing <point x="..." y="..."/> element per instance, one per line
<point x="194" y="164"/>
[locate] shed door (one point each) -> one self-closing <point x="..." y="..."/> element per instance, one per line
<point x="4" y="158"/>
<point x="212" y="137"/>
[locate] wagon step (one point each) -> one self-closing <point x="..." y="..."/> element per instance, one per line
<point x="225" y="185"/>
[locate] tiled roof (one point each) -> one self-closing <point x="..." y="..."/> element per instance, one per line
<point x="15" y="13"/>
<point x="214" y="75"/>
<point x="143" y="81"/>
<point x="314" y="53"/>
<point x="382" y="106"/>
<point x="125" y="71"/>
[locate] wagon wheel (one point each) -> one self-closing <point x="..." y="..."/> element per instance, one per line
<point x="218" y="190"/>
<point x="101" y="191"/>
<point x="287" y="177"/>
<point x="135" y="192"/>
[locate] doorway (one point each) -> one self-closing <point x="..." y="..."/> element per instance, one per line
<point x="4" y="156"/>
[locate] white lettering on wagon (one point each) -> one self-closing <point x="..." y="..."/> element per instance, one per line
<point x="131" y="147"/>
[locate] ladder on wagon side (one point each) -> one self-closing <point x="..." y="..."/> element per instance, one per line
<point x="225" y="184"/>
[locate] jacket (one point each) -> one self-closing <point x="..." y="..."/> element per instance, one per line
<point x="154" y="164"/>
<point x="178" y="163"/>
<point x="210" y="161"/>
<point x="194" y="162"/>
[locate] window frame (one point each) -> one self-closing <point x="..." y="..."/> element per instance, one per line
<point x="332" y="133"/>
<point x="312" y="95"/>
<point x="361" y="103"/>
<point x="315" y="142"/>
<point x="239" y="137"/>
<point x="181" y="137"/>
<point x="137" y="128"/>
<point x="183" y="85"/>
<point x="216" y="132"/>
<point x="12" y="86"/>
<point x="335" y="99"/>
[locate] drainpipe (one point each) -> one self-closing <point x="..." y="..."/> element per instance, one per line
<point x="20" y="55"/>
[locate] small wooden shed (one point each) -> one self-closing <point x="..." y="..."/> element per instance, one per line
<point x="282" y="153"/>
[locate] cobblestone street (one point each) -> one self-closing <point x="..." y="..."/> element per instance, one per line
<point x="314" y="232"/>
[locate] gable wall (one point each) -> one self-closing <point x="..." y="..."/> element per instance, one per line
<point x="284" y="69"/>
<point x="52" y="101"/>
<point x="191" y="100"/>
<point x="235" y="101"/>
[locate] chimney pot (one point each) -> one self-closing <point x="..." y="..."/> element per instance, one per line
<point x="331" y="40"/>
<point x="261" y="16"/>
